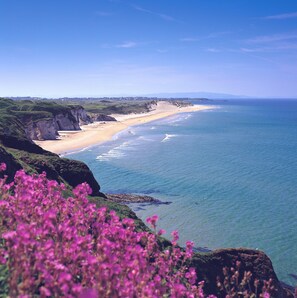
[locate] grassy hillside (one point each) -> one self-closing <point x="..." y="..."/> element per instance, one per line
<point x="45" y="106"/>
<point x="108" y="107"/>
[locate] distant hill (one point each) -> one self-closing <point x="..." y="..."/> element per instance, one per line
<point x="165" y="95"/>
<point x="209" y="95"/>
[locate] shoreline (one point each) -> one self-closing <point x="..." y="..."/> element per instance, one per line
<point x="100" y="132"/>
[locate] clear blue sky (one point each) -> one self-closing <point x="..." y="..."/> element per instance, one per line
<point x="117" y="47"/>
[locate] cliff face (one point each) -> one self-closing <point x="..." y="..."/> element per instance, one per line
<point x="66" y="122"/>
<point x="42" y="130"/>
<point x="47" y="129"/>
<point x="81" y="116"/>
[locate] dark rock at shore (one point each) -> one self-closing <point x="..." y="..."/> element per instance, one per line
<point x="200" y="249"/>
<point x="209" y="266"/>
<point x="131" y="198"/>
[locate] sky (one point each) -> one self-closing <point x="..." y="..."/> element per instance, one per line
<point x="55" y="48"/>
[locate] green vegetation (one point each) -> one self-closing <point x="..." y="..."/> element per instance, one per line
<point x="10" y="125"/>
<point x="108" y="107"/>
<point x="51" y="107"/>
<point x="3" y="281"/>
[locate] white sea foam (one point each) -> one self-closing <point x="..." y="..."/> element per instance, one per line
<point x="168" y="137"/>
<point x="178" y="118"/>
<point x="76" y="151"/>
<point x="188" y="116"/>
<point x="114" y="153"/>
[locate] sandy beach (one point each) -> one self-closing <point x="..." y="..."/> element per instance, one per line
<point x="99" y="132"/>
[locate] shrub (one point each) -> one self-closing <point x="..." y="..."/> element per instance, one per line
<point x="238" y="283"/>
<point x="56" y="246"/>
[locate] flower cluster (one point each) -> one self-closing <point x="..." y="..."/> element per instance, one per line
<point x="56" y="246"/>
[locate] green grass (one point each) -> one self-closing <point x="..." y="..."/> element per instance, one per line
<point x="108" y="107"/>
<point x="4" y="281"/>
<point x="32" y="115"/>
<point x="10" y="125"/>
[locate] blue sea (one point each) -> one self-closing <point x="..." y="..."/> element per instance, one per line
<point x="230" y="173"/>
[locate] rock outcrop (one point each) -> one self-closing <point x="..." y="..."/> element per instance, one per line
<point x="102" y="117"/>
<point x="42" y="130"/>
<point x="209" y="267"/>
<point x="131" y="198"/>
<point x="47" y="128"/>
<point x="80" y="115"/>
<point x="71" y="119"/>
<point x="66" y="122"/>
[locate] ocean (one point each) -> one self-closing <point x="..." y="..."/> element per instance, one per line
<point x="230" y="173"/>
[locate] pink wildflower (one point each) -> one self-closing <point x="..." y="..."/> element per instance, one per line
<point x="67" y="247"/>
<point x="175" y="237"/>
<point x="2" y="167"/>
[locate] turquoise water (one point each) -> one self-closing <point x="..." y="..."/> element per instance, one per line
<point x="230" y="174"/>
